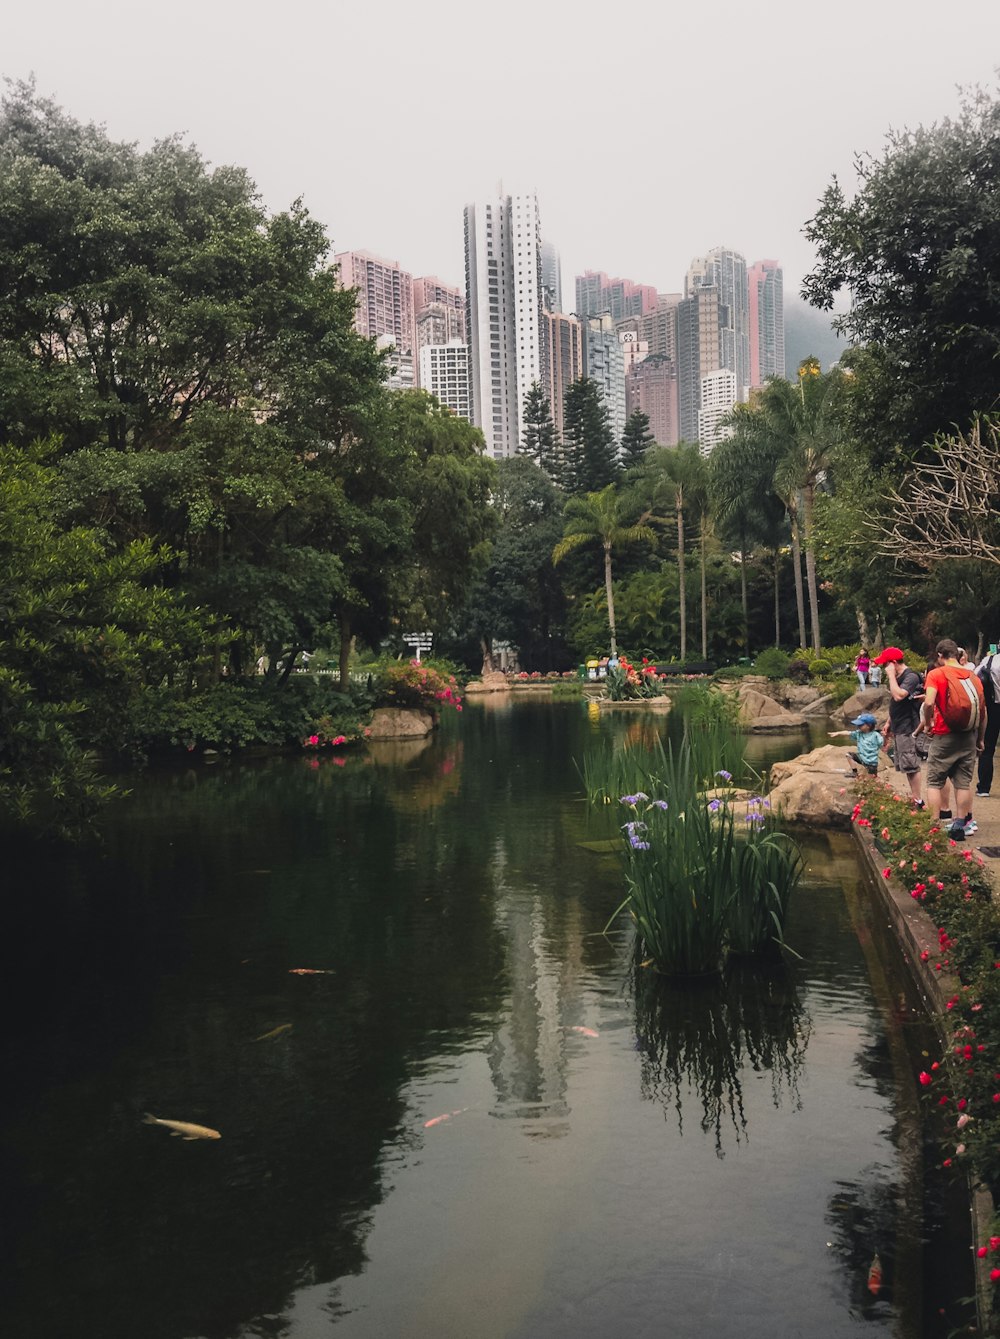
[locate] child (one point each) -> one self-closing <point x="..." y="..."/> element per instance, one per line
<point x="868" y="740"/>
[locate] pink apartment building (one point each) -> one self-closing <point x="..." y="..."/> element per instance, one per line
<point x="652" y="387"/>
<point x="385" y="297"/>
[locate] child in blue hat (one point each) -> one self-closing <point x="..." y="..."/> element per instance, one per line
<point x="868" y="742"/>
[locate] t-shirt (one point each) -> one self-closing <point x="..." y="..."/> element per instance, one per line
<point x="869" y="742"/>
<point x="904" y="717"/>
<point x="938" y="679"/>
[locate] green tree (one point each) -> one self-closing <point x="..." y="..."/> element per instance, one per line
<point x="600" y="518"/>
<point x="85" y="632"/>
<point x="918" y="250"/>
<point x="538" y="437"/>
<point x="636" y="439"/>
<point x="588" y="446"/>
<point x="673" y="483"/>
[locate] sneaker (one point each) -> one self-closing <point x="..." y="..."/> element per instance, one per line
<point x="945" y="813"/>
<point x="982" y="794"/>
<point x="971" y="827"/>
<point x="919" y="805"/>
<point x="957" y="832"/>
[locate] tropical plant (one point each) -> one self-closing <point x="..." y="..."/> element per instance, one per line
<point x="417" y="684"/>
<point x="599" y="518"/>
<point x="674" y="480"/>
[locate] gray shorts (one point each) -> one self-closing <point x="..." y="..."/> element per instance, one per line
<point x="907" y="755"/>
<point x="952" y="757"/>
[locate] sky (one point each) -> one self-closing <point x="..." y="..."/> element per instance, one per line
<point x="650" y="132"/>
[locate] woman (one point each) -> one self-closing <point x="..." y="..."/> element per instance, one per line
<point x="862" y="666"/>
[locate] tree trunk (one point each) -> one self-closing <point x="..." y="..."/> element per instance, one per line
<point x="744" y="602"/>
<point x="487" y="656"/>
<point x="777" y="597"/>
<point x="808" y="496"/>
<point x="345" y="654"/>
<point x="680" y="571"/>
<point x="797" y="569"/>
<point x="611" y="599"/>
<point x="704" y="599"/>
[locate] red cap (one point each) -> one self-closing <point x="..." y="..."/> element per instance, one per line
<point x="890" y="653"/>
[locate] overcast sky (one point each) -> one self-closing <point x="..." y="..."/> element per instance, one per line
<point x="650" y="131"/>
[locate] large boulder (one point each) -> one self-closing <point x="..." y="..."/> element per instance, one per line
<point x="400" y="723"/>
<point x="814" y="789"/>
<point x="805" y="698"/>
<point x="494" y="682"/>
<point x="875" y="700"/>
<point x="759" y="712"/>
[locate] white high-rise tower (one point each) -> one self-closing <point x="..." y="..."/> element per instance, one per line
<point x="503" y="287"/>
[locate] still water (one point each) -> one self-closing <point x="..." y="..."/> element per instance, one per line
<point x="618" y="1157"/>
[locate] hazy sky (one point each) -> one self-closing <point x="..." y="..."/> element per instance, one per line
<point x="650" y="131"/>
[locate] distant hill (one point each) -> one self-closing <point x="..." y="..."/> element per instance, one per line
<point x="809" y="334"/>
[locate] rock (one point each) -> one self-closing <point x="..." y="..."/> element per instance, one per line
<point x="760" y="712"/>
<point x="814" y="788"/>
<point x="875" y="700"/>
<point x="805" y="698"/>
<point x="490" y="683"/>
<point x="400" y="723"/>
<point x="820" y="707"/>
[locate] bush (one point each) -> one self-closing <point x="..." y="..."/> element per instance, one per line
<point x="773" y="663"/>
<point x="820" y="668"/>
<point x="417" y="685"/>
<point x="730" y="672"/>
<point x="799" y="670"/>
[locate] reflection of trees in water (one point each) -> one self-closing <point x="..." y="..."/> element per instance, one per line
<point x="700" y="1038"/>
<point x="865" y="1219"/>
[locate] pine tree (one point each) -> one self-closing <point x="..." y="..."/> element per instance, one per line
<point x="636" y="439"/>
<point x="589" y="446"/>
<point x="538" y="437"/>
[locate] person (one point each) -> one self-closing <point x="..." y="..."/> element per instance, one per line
<point x="861" y="667"/>
<point x="951" y="754"/>
<point x="868" y="741"/>
<point x="988" y="671"/>
<point x="905" y="695"/>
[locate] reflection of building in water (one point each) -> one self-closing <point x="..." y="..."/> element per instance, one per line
<point x="527" y="1057"/>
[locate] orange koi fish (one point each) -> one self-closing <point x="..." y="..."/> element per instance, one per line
<point x="439" y="1120"/>
<point x="875" y="1276"/>
<point x="308" y="971"/>
<point x="585" y="1031"/>
<point x="183" y="1129"/>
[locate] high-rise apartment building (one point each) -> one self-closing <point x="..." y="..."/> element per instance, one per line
<point x="651" y="386"/>
<point x="713" y="332"/>
<point x="767" y="321"/>
<point x="718" y="395"/>
<point x="551" y="278"/>
<point x="385" y="297"/>
<point x="620" y="298"/>
<point x="444" y="372"/>
<point x="564" y="361"/>
<point x="697" y="352"/>
<point x="727" y="271"/>
<point x="604" y="363"/>
<point x="503" y="286"/>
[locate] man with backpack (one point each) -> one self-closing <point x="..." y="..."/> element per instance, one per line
<point x="954" y="714"/>
<point x="988" y="671"/>
<point x="906" y="693"/>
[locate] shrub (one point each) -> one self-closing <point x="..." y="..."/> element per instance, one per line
<point x="799" y="670"/>
<point x="417" y="685"/>
<point x="730" y="672"/>
<point x="773" y="663"/>
<point x="820" y="668"/>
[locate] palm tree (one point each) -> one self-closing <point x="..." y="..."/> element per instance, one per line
<point x="598" y="518"/>
<point x="674" y="479"/>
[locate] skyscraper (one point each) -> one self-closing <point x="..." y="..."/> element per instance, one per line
<point x="697" y="352"/>
<point x="385" y="297"/>
<point x="551" y="278"/>
<point x="604" y="363"/>
<point x="713" y="333"/>
<point x="651" y="386"/>
<point x="444" y="372"/>
<point x="564" y="361"/>
<point x="503" y="286"/>
<point x="597" y="294"/>
<point x="718" y="395"/>
<point x="767" y="321"/>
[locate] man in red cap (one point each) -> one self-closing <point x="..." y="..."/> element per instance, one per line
<point x="906" y="691"/>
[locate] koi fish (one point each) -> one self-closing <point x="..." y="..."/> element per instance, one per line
<point x="875" y="1276"/>
<point x="309" y="971"/>
<point x="275" y="1032"/>
<point x="182" y="1128"/>
<point x="585" y="1031"/>
<point x="439" y="1120"/>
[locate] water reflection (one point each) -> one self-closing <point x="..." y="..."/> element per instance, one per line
<point x="698" y="1041"/>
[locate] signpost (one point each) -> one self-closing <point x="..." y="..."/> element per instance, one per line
<point x="420" y="641"/>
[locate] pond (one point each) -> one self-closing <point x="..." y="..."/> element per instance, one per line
<point x="472" y="1115"/>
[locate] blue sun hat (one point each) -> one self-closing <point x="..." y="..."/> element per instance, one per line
<point x="866" y="718"/>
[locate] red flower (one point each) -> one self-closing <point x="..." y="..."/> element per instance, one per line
<point x="887" y="873"/>
<point x="962" y="1104"/>
<point x="925" y="1078"/>
<point x="994" y="1275"/>
<point x="983" y="1252"/>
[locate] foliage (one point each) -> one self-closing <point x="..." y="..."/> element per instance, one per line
<point x="636" y="439"/>
<point x="917" y="248"/>
<point x="630" y="683"/>
<point x="773" y="662"/>
<point x="589" y="456"/>
<point x="799" y="670"/>
<point x="85" y="632"/>
<point x="951" y="881"/>
<point x="820" y="668"/>
<point x="706" y="708"/>
<point x="698" y="886"/>
<point x="538" y="439"/>
<point x="417" y="684"/>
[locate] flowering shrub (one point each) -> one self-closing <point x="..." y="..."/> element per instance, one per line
<point x="417" y="684"/>
<point x="950" y="881"/>
<point x="630" y="683"/>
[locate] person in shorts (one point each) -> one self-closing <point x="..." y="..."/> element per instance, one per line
<point x="906" y="693"/>
<point x="951" y="755"/>
<point x="868" y="741"/>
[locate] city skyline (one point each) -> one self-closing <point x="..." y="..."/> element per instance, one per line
<point x="742" y="168"/>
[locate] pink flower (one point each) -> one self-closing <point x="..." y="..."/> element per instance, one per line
<point x="340" y="739"/>
<point x="983" y="1252"/>
<point x="887" y="873"/>
<point x="962" y="1121"/>
<point x="994" y="1275"/>
<point x="924" y="956"/>
<point x="925" y="1078"/>
<point x="994" y="1243"/>
<point x="314" y="740"/>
